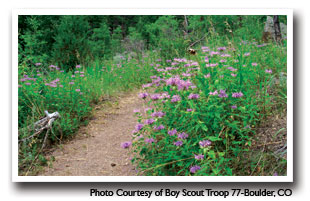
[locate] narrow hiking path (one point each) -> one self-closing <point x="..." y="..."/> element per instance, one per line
<point x="96" y="150"/>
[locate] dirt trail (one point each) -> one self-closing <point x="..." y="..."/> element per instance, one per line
<point x="96" y="150"/>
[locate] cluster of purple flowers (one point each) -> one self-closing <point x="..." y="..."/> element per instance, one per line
<point x="193" y="96"/>
<point x="178" y="143"/>
<point x="175" y="98"/>
<point x="214" y="53"/>
<point x="172" y="132"/>
<point x="126" y="145"/>
<point x="205" y="49"/>
<point x="194" y="169"/>
<point x="149" y="140"/>
<point x="155" y="96"/>
<point x="221" y="48"/>
<point x="160" y="127"/>
<point x="212" y="65"/>
<point x="232" y="68"/>
<point x="225" y="55"/>
<point x="139" y="126"/>
<point x="136" y="111"/>
<point x="223" y="94"/>
<point x="199" y="156"/>
<point x="27" y="78"/>
<point x="147" y="85"/>
<point x="182" y="135"/>
<point x="237" y="95"/>
<point x="143" y="95"/>
<point x="186" y="74"/>
<point x="268" y="71"/>
<point x="181" y="84"/>
<point x="205" y="143"/>
<point x="149" y="121"/>
<point x="158" y="114"/>
<point x="53" y="83"/>
<point x="233" y="107"/>
<point x="213" y="93"/>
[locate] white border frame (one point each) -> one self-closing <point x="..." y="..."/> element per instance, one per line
<point x="162" y="11"/>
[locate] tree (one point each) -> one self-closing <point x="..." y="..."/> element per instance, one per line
<point x="277" y="30"/>
<point x="71" y="45"/>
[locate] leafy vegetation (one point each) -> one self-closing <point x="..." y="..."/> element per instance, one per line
<point x="204" y="109"/>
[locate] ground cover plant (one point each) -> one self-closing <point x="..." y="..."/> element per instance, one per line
<point x="205" y="112"/>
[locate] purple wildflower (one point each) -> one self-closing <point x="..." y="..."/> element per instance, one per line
<point x="199" y="156"/>
<point x="28" y="83"/>
<point x="126" y="145"/>
<point x="158" y="114"/>
<point x="37" y="64"/>
<point x="221" y="48"/>
<point x="149" y="121"/>
<point x="186" y="74"/>
<point x="268" y="71"/>
<point x="155" y="96"/>
<point x="194" y="169"/>
<point x="149" y="140"/>
<point x="233" y="107"/>
<point x="189" y="110"/>
<point x="78" y="66"/>
<point x="143" y="95"/>
<point x="178" y="143"/>
<point x="223" y="94"/>
<point x="182" y="135"/>
<point x="237" y="95"/>
<point x="254" y="64"/>
<point x="160" y="127"/>
<point x="234" y="75"/>
<point x="71" y="82"/>
<point x="139" y="127"/>
<point x="172" y="132"/>
<point x="205" y="143"/>
<point x="193" y="96"/>
<point x="147" y="85"/>
<point x="175" y="98"/>
<point x="136" y="111"/>
<point x="78" y="90"/>
<point x="213" y="93"/>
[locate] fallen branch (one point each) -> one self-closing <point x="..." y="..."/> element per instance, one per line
<point x="42" y="124"/>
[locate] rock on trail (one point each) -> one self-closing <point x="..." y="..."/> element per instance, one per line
<point x="96" y="150"/>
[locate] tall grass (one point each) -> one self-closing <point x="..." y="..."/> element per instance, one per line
<point x="73" y="95"/>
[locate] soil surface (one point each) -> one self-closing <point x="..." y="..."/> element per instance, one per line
<point x="96" y="149"/>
